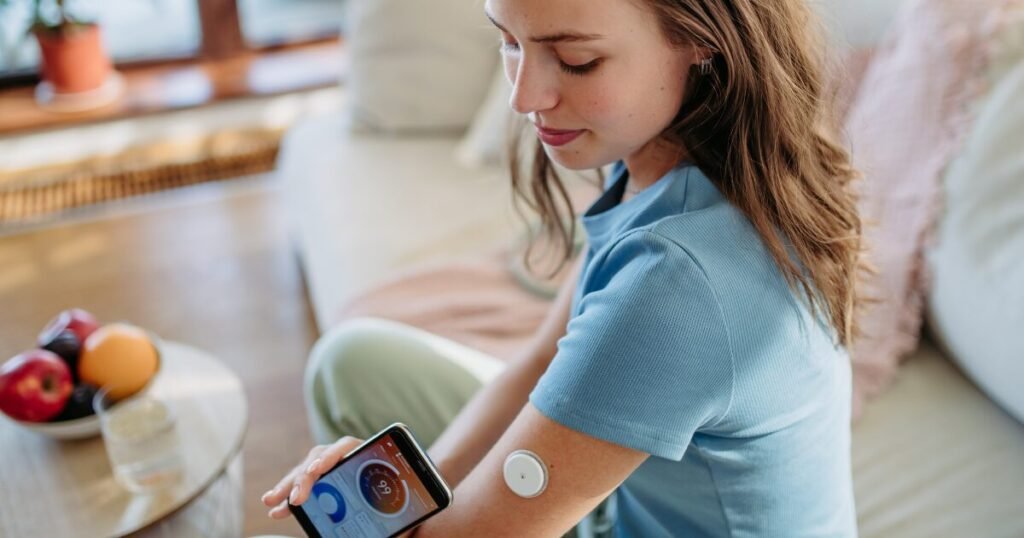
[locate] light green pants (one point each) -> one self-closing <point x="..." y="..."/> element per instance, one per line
<point x="369" y="373"/>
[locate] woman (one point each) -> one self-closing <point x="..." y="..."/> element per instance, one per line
<point x="696" y="367"/>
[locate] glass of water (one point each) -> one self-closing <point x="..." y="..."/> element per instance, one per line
<point x="141" y="440"/>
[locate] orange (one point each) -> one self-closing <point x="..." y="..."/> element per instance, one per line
<point x="120" y="358"/>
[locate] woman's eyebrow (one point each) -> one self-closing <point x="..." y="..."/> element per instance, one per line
<point x="558" y="37"/>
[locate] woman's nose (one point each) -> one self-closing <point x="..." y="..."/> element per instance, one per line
<point x="531" y="90"/>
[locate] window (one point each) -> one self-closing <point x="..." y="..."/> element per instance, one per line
<point x="132" y="30"/>
<point x="269" y="22"/>
<point x="142" y="30"/>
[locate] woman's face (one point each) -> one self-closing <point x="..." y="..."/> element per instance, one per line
<point x="596" y="77"/>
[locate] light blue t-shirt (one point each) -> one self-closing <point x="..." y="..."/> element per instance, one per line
<point x="685" y="342"/>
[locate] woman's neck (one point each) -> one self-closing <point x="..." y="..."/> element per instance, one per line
<point x="651" y="162"/>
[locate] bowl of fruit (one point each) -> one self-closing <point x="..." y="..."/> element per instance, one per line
<point x="50" y="389"/>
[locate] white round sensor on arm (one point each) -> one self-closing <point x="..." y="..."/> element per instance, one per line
<point x="525" y="474"/>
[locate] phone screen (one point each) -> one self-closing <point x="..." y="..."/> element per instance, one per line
<point x="375" y="493"/>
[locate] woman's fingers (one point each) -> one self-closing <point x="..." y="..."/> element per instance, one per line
<point x="300" y="490"/>
<point x="280" y="511"/>
<point x="283" y="489"/>
<point x="334" y="453"/>
<point x="317" y="465"/>
<point x="294" y="487"/>
<point x="280" y="491"/>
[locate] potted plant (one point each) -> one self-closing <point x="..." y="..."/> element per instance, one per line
<point x="73" y="60"/>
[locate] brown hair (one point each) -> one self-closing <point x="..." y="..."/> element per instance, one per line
<point x="761" y="126"/>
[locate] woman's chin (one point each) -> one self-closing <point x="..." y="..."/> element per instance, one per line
<point x="572" y="158"/>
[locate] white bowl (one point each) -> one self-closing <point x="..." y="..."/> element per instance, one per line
<point x="79" y="428"/>
<point x="87" y="426"/>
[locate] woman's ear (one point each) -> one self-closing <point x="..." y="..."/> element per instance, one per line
<point x="702" y="59"/>
<point x="702" y="53"/>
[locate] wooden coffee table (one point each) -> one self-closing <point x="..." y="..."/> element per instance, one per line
<point x="66" y="488"/>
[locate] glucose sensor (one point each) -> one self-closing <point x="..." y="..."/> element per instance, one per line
<point x="525" y="474"/>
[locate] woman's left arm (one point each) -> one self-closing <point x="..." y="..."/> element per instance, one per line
<point x="582" y="471"/>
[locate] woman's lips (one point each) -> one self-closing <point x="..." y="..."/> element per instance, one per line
<point x="557" y="137"/>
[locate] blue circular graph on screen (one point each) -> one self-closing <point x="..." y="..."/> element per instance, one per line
<point x="330" y="501"/>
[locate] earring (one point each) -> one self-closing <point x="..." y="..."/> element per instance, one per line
<point x="705" y="66"/>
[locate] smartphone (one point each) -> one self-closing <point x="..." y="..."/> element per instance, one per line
<point x="385" y="487"/>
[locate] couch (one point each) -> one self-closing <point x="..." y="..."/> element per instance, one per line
<point x="932" y="456"/>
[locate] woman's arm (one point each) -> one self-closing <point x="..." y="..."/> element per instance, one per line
<point x="581" y="472"/>
<point x="473" y="432"/>
<point x="489" y="413"/>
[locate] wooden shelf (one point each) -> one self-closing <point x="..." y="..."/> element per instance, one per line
<point x="186" y="85"/>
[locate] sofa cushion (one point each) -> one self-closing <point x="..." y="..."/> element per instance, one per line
<point x="415" y="65"/>
<point x="487" y="141"/>
<point x="363" y="207"/>
<point x="904" y="128"/>
<point x="934" y="457"/>
<point x="976" y="301"/>
<point x="477" y="303"/>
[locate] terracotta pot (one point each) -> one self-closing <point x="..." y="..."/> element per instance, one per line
<point x="73" y="59"/>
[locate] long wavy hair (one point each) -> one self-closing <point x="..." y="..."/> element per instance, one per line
<point x="762" y="126"/>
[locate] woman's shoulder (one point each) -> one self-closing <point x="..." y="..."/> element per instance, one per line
<point x="644" y="249"/>
<point x="717" y="238"/>
<point x="735" y="263"/>
<point x="645" y="263"/>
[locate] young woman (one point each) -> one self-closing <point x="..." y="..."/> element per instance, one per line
<point x="696" y="367"/>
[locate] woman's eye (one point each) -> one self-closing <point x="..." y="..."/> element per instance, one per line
<point x="579" y="70"/>
<point x="510" y="46"/>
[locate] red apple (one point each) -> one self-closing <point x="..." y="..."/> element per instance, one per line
<point x="34" y="386"/>
<point x="76" y="320"/>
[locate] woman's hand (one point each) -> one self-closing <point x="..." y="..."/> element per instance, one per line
<point x="295" y="486"/>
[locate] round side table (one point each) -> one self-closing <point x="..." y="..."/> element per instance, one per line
<point x="67" y="488"/>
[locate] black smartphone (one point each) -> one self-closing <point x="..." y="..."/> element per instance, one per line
<point x="385" y="487"/>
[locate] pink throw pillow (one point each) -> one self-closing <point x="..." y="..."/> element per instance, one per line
<point x="907" y="122"/>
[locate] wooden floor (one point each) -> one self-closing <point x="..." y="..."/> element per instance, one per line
<point x="210" y="266"/>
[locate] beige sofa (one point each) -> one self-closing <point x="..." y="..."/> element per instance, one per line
<point x="933" y="456"/>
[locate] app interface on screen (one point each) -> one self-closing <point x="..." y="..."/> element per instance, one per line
<point x="374" y="494"/>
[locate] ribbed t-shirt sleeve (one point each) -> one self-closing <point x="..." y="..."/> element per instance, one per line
<point x="646" y="360"/>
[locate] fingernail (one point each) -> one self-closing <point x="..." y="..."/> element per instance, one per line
<point x="293" y="495"/>
<point x="313" y="466"/>
<point x="265" y="495"/>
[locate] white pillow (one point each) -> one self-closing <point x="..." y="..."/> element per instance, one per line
<point x="486" y="143"/>
<point x="976" y="303"/>
<point x="417" y="65"/>
<point x="857" y="24"/>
